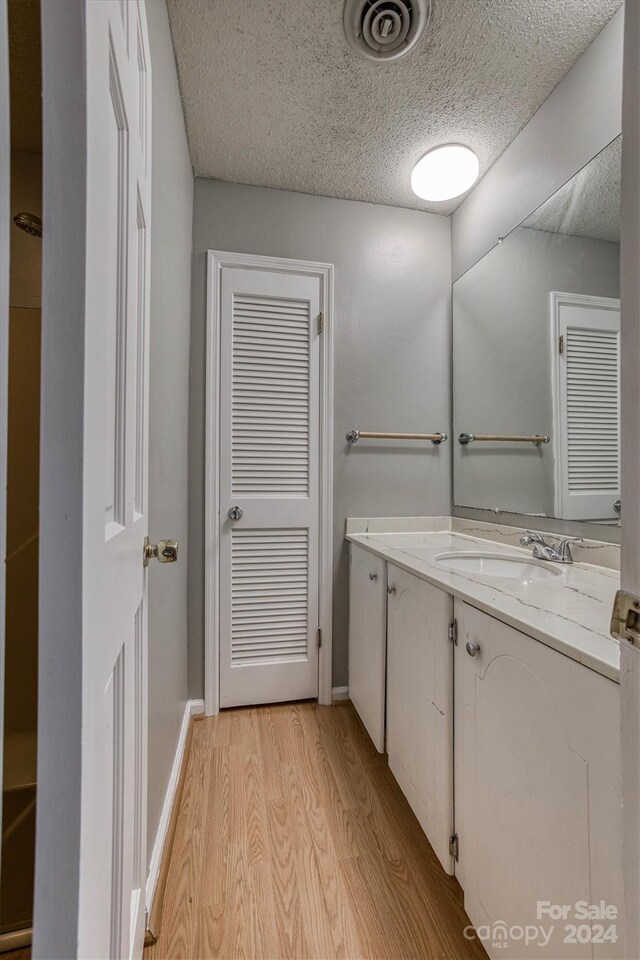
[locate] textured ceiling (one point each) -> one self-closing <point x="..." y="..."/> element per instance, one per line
<point x="589" y="204"/>
<point x="274" y="96"/>
<point x="25" y="79"/>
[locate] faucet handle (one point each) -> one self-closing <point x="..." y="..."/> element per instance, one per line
<point x="530" y="537"/>
<point x="564" y="546"/>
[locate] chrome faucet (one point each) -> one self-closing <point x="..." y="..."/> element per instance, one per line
<point x="557" y="553"/>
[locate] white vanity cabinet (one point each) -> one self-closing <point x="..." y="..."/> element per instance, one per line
<point x="537" y="789"/>
<point x="420" y="703"/>
<point x="368" y="639"/>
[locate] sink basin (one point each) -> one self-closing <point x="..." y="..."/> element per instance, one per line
<point x="497" y="565"/>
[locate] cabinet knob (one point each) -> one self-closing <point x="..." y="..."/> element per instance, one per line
<point x="391" y="589"/>
<point x="373" y="576"/>
<point x="472" y="648"/>
<point x="235" y="513"/>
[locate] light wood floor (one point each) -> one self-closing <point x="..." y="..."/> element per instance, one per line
<point x="294" y="840"/>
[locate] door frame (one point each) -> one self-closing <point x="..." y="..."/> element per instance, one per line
<point x="216" y="261"/>
<point x="557" y="300"/>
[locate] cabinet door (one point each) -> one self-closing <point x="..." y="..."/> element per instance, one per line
<point x="540" y="792"/>
<point x="420" y="703"/>
<point x="368" y="640"/>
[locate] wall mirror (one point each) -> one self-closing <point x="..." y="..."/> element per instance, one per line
<point x="536" y="371"/>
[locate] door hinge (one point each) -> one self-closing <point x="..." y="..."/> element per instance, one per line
<point x="454" y="846"/>
<point x="625" y="618"/>
<point x="320" y="322"/>
<point x="453" y="632"/>
<point x="560" y="345"/>
<point x="319" y="638"/>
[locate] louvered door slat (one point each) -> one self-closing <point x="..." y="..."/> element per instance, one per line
<point x="589" y="415"/>
<point x="270" y="385"/>
<point x="282" y="628"/>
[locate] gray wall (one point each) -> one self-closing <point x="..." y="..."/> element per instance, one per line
<point x="62" y="391"/>
<point x="392" y="356"/>
<point x="580" y="117"/>
<point x="502" y="361"/>
<point x="172" y="186"/>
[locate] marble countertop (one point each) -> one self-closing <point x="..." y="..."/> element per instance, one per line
<point x="570" y="612"/>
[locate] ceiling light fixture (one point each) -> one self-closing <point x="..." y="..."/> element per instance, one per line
<point x="445" y="172"/>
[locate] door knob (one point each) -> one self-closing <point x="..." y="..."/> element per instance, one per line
<point x="235" y="513"/>
<point x="472" y="648"/>
<point x="164" y="551"/>
<point x="617" y="506"/>
<point x="373" y="576"/>
<point x="391" y="589"/>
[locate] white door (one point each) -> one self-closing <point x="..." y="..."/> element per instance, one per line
<point x="541" y="793"/>
<point x="630" y="566"/>
<point x="587" y="406"/>
<point x="368" y="640"/>
<point x="114" y="720"/>
<point x="420" y="703"/>
<point x="269" y="485"/>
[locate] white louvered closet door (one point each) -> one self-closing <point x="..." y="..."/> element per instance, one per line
<point x="589" y="414"/>
<point x="269" y="470"/>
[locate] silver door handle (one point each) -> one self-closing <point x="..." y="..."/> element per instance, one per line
<point x="472" y="648"/>
<point x="235" y="513"/>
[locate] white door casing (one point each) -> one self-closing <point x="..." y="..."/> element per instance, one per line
<point x="114" y="710"/>
<point x="586" y="402"/>
<point x="269" y="410"/>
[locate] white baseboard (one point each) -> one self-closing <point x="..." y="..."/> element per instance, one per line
<point x="191" y="707"/>
<point x="339" y="693"/>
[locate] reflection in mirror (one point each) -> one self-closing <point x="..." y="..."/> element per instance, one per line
<point x="536" y="331"/>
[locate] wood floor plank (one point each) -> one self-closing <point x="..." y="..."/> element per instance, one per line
<point x="217" y="840"/>
<point x="270" y="753"/>
<point x="178" y="928"/>
<point x="294" y="841"/>
<point x="263" y="933"/>
<point x="284" y="882"/>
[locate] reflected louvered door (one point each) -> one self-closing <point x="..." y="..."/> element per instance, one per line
<point x="269" y="470"/>
<point x="590" y="410"/>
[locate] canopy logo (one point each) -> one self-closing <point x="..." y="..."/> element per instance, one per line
<point x="586" y="926"/>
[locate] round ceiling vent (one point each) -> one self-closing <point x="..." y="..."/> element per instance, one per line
<point x="385" y="29"/>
